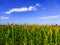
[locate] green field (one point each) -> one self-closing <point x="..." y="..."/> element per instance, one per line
<point x="29" y="34"/>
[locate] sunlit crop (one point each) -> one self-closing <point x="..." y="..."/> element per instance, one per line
<point x="29" y="35"/>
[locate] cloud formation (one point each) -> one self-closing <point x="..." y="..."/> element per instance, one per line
<point x="4" y="18"/>
<point x="38" y="5"/>
<point x="49" y="17"/>
<point x="23" y="9"/>
<point x="46" y="17"/>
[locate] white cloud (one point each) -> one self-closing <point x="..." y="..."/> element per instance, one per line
<point x="4" y="18"/>
<point x="49" y="17"/>
<point x="23" y="9"/>
<point x="45" y="17"/>
<point x="39" y="5"/>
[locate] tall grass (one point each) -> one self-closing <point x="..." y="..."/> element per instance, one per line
<point x="29" y="35"/>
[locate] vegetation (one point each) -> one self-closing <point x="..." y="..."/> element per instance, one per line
<point x="29" y="35"/>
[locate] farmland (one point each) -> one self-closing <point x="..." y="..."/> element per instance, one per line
<point x="29" y="34"/>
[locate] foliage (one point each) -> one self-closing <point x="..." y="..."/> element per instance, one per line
<point x="29" y="35"/>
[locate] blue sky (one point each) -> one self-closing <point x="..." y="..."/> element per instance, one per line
<point x="30" y="11"/>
